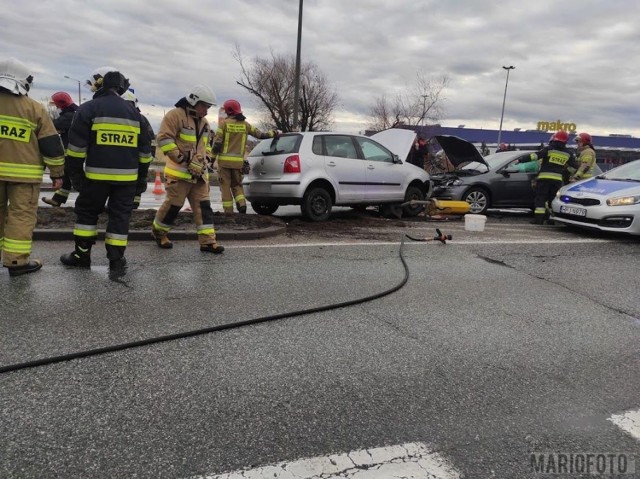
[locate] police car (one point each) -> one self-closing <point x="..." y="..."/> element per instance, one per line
<point x="607" y="202"/>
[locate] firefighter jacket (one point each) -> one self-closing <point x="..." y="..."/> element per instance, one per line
<point x="183" y="135"/>
<point x="28" y="141"/>
<point x="63" y="123"/>
<point x="586" y="163"/>
<point x="107" y="137"/>
<point x="231" y="139"/>
<point x="555" y="159"/>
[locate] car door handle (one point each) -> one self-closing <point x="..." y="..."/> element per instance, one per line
<point x="331" y="163"/>
<point x="371" y="167"/>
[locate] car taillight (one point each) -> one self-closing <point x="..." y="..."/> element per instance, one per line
<point x="292" y="164"/>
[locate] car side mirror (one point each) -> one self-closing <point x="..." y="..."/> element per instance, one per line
<point x="508" y="171"/>
<point x="396" y="159"/>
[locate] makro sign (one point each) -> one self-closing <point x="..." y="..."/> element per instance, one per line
<point x="556" y="125"/>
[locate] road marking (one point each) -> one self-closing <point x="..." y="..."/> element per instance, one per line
<point x="629" y="422"/>
<point x="433" y="243"/>
<point x="413" y="460"/>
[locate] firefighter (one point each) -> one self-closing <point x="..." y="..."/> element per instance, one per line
<point x="62" y="100"/>
<point x="229" y="144"/>
<point x="555" y="159"/>
<point x="184" y="137"/>
<point x="130" y="96"/>
<point x="586" y="157"/>
<point x="108" y="157"/>
<point x="28" y="143"/>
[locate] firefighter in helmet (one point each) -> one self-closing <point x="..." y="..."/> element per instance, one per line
<point x="229" y="144"/>
<point x="28" y="143"/>
<point x="63" y="102"/>
<point x="184" y="138"/>
<point x="555" y="159"/>
<point x="586" y="157"/>
<point x="108" y="157"/>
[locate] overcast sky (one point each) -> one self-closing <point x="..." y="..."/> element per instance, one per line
<point x="576" y="61"/>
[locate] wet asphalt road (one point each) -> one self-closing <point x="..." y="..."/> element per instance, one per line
<point x="501" y="343"/>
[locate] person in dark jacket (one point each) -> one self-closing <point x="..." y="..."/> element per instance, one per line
<point x="62" y="100"/>
<point x="108" y="158"/>
<point x="418" y="153"/>
<point x="555" y="159"/>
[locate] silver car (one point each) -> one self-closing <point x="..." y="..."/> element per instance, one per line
<point x="607" y="202"/>
<point x="318" y="170"/>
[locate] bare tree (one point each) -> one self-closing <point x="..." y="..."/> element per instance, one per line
<point x="413" y="105"/>
<point x="272" y="81"/>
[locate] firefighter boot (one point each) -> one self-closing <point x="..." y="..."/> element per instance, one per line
<point x="161" y="239"/>
<point x="80" y="257"/>
<point x="31" y="267"/>
<point x="212" y="248"/>
<point x="242" y="209"/>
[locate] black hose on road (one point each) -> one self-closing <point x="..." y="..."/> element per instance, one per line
<point x="212" y="329"/>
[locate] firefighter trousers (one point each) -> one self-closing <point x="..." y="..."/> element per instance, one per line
<point x="231" y="190"/>
<point x="198" y="195"/>
<point x="18" y="216"/>
<point x="545" y="193"/>
<point x="91" y="203"/>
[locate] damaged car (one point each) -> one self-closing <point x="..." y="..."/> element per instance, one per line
<point x="492" y="181"/>
<point x="319" y="170"/>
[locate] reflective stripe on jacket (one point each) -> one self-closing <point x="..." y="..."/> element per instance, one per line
<point x="587" y="162"/>
<point x="231" y="139"/>
<point x="28" y="141"/>
<point x="106" y="136"/>
<point x="182" y="134"/>
<point x="554" y="161"/>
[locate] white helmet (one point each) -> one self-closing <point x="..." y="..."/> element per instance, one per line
<point x="201" y="93"/>
<point x="15" y="77"/>
<point x="130" y="96"/>
<point x="95" y="82"/>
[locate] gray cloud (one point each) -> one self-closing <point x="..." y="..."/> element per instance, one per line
<point x="575" y="61"/>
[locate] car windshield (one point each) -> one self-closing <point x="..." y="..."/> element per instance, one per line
<point x="628" y="171"/>
<point x="277" y="146"/>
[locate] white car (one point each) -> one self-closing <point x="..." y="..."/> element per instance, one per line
<point x="318" y="170"/>
<point x="607" y="202"/>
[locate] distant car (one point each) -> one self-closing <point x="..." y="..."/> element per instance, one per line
<point x="492" y="181"/>
<point x="607" y="202"/>
<point x="318" y="170"/>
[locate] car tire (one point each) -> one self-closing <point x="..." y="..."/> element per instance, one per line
<point x="413" y="193"/>
<point x="478" y="199"/>
<point x="265" y="209"/>
<point x="316" y="204"/>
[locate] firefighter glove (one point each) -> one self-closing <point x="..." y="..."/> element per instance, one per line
<point x="196" y="166"/>
<point x="78" y="180"/>
<point x="141" y="188"/>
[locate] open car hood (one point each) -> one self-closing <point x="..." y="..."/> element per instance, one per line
<point x="398" y="140"/>
<point x="459" y="151"/>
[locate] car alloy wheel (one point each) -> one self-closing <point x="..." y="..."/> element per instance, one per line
<point x="478" y="200"/>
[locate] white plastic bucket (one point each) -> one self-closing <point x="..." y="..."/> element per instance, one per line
<point x="474" y="222"/>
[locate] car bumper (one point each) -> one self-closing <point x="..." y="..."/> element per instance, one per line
<point x="449" y="193"/>
<point x="283" y="192"/>
<point x="619" y="219"/>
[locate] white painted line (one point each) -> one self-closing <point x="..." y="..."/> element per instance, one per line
<point x="411" y="460"/>
<point x="414" y="243"/>
<point x="629" y="422"/>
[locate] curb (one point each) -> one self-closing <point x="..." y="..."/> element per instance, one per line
<point x="63" y="235"/>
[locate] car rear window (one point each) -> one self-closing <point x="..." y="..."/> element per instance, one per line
<point x="282" y="145"/>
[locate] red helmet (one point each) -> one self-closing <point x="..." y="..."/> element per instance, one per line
<point x="561" y="136"/>
<point x="584" y="138"/>
<point x="232" y="107"/>
<point x="61" y="99"/>
<point x="503" y="146"/>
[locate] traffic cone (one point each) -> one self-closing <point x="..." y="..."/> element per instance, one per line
<point x="158" y="189"/>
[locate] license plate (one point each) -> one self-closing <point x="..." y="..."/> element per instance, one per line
<point x="572" y="210"/>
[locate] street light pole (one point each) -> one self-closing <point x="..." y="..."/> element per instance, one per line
<point x="504" y="99"/>
<point x="79" y="94"/>
<point x="296" y="95"/>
